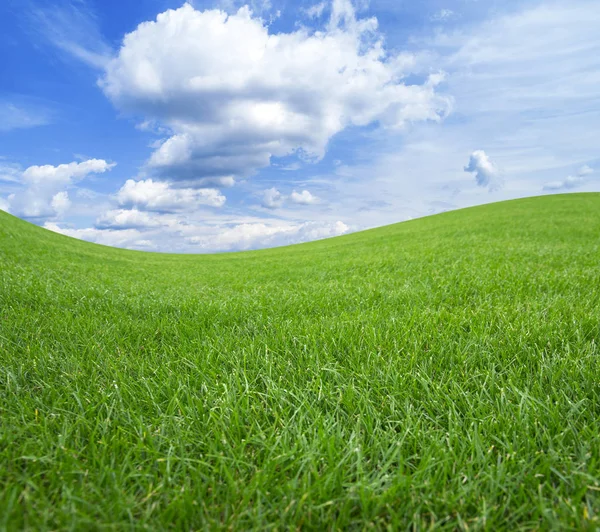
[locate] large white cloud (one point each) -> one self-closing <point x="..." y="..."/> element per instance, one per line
<point x="44" y="194"/>
<point x="234" y="95"/>
<point x="158" y="196"/>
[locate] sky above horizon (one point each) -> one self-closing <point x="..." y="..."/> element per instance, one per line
<point x="227" y="125"/>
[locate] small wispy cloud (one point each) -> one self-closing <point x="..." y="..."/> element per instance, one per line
<point x="315" y="11"/>
<point x="442" y="15"/>
<point x="572" y="181"/>
<point x="566" y="184"/>
<point x="72" y="27"/>
<point x="22" y="115"/>
<point x="10" y="173"/>
<point x="273" y="199"/>
<point x="259" y="7"/>
<point x="293" y="167"/>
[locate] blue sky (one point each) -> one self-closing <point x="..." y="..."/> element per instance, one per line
<point x="226" y="125"/>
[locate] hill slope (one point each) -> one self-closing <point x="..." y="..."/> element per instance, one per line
<point x="440" y="372"/>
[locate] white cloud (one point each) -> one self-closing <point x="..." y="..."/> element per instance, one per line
<point x="44" y="193"/>
<point x="159" y="196"/>
<point x="130" y="238"/>
<point x="316" y="10"/>
<point x="3" y="204"/>
<point x="235" y="95"/>
<point x="571" y="181"/>
<point x="303" y="198"/>
<point x="144" y="244"/>
<point x="442" y="15"/>
<point x="272" y="198"/>
<point x="226" y="181"/>
<point x="64" y="174"/>
<point x="202" y="237"/>
<point x="566" y="184"/>
<point x="19" y="116"/>
<point x="255" y="235"/>
<point x="525" y="86"/>
<point x="128" y="219"/>
<point x="61" y="203"/>
<point x="294" y="167"/>
<point x="486" y="173"/>
<point x="10" y="173"/>
<point x="259" y="7"/>
<point x="73" y="28"/>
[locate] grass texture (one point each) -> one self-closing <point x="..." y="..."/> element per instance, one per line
<point x="442" y="373"/>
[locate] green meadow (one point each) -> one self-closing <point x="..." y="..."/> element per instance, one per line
<point x="441" y="373"/>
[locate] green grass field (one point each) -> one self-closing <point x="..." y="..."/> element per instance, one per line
<point x="441" y="373"/>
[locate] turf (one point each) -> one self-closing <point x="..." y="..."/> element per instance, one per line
<point x="441" y="373"/>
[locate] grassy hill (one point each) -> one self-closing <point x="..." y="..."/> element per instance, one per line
<point x="442" y="372"/>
